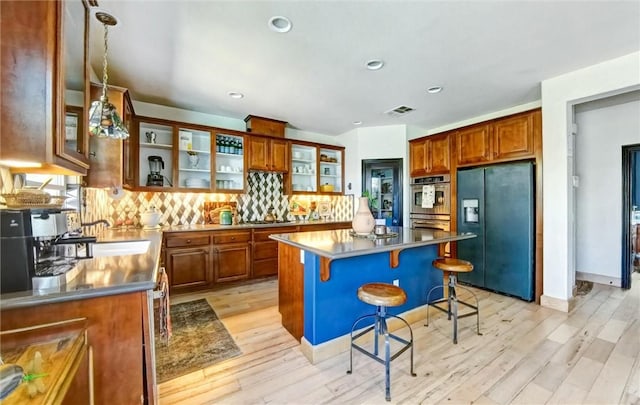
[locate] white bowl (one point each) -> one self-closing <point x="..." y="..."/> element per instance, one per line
<point x="150" y="219"/>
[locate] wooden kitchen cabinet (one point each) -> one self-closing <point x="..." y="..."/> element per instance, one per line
<point x="513" y="137"/>
<point x="231" y="255"/>
<point x="108" y="167"/>
<point x="502" y="139"/>
<point x="44" y="71"/>
<point x="188" y="261"/>
<point x="115" y="331"/>
<point x="430" y="155"/>
<point x="473" y="145"/>
<point x="265" y="251"/>
<point x="267" y="154"/>
<point x="265" y="126"/>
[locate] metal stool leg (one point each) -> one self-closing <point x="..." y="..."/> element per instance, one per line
<point x="476" y="308"/>
<point x="429" y="300"/>
<point x="387" y="361"/>
<point x="380" y="328"/>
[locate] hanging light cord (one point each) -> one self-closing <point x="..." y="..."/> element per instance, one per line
<point x="105" y="76"/>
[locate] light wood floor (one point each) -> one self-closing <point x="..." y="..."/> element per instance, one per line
<point x="527" y="355"/>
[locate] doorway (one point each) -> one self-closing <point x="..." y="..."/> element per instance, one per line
<point x="630" y="212"/>
<point x="382" y="183"/>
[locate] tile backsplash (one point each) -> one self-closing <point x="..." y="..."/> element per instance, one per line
<point x="264" y="190"/>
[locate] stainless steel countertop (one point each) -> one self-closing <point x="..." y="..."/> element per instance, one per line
<point x="340" y="243"/>
<point x="217" y="227"/>
<point x="101" y="276"/>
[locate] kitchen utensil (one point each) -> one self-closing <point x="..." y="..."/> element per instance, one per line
<point x="155" y="177"/>
<point x="151" y="137"/>
<point x="150" y="219"/>
<point x="44" y="183"/>
<point x="269" y="217"/>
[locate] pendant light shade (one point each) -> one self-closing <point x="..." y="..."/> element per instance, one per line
<point x="104" y="120"/>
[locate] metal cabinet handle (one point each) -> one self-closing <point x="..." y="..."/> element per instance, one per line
<point x="188" y="240"/>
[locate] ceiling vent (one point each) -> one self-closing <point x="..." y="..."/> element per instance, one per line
<point x="399" y="111"/>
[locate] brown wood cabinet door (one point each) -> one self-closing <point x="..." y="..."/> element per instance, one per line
<point x="231" y="262"/>
<point x="473" y="144"/>
<point x="106" y="156"/>
<point x="418" y="158"/>
<point x="33" y="64"/>
<point x="439" y="154"/>
<point x="258" y="153"/>
<point x="279" y="155"/>
<point x="188" y="268"/>
<point x="513" y="137"/>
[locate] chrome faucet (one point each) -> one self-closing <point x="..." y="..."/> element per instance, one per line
<point x="100" y="221"/>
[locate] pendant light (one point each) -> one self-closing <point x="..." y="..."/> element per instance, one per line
<point x="104" y="120"/>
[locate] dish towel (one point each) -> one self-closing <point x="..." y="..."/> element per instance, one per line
<point x="428" y="196"/>
<point x="164" y="314"/>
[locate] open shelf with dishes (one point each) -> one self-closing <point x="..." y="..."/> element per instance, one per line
<point x="155" y="157"/>
<point x="229" y="171"/>
<point x="194" y="158"/>
<point x="331" y="170"/>
<point x="303" y="168"/>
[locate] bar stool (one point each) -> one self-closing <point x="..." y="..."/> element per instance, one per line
<point x="381" y="295"/>
<point x="451" y="267"/>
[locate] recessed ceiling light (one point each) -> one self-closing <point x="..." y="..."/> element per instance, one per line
<point x="280" y="24"/>
<point x="234" y="94"/>
<point x="375" y="64"/>
<point x="434" y="89"/>
<point x="357" y="122"/>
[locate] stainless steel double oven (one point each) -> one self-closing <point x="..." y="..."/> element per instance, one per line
<point x="435" y="215"/>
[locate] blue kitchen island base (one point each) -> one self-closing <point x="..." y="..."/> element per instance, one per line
<point x="319" y="274"/>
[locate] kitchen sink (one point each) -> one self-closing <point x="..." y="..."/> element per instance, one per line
<point x="120" y="248"/>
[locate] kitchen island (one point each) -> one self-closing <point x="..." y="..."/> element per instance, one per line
<point x="319" y="274"/>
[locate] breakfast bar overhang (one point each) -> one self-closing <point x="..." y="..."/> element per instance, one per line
<point x="320" y="272"/>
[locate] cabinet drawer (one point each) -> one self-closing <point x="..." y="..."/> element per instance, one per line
<point x="265" y="250"/>
<point x="262" y="235"/>
<point x="188" y="240"/>
<point x="264" y="268"/>
<point x="231" y="237"/>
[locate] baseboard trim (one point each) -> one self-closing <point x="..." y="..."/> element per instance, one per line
<point x="331" y="348"/>
<point x="557" y="303"/>
<point x="599" y="279"/>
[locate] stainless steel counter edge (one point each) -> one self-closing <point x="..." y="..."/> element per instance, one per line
<point x="344" y="245"/>
<point x="217" y="227"/>
<point x="101" y="276"/>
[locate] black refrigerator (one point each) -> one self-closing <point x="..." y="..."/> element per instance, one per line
<point x="497" y="204"/>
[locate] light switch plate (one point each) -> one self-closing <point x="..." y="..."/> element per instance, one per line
<point x="302" y="256"/>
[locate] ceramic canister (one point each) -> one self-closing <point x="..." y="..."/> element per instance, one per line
<point x="225" y="217"/>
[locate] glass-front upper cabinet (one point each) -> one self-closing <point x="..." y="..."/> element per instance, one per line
<point x="72" y="143"/>
<point x="155" y="164"/>
<point x="331" y="170"/>
<point x="304" y="163"/>
<point x="194" y="158"/>
<point x="229" y="162"/>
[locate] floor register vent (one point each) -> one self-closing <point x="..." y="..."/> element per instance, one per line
<point x="399" y="111"/>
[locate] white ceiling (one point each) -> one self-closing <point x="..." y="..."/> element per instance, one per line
<point x="488" y="56"/>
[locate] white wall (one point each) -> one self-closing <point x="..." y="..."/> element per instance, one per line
<point x="603" y="127"/>
<point x="559" y="94"/>
<point x="193" y="117"/>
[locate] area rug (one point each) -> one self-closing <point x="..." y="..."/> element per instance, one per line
<point x="199" y="340"/>
<point x="583" y="287"/>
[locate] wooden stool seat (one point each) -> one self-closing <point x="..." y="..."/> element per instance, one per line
<point x="452" y="265"/>
<point x="381" y="294"/>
